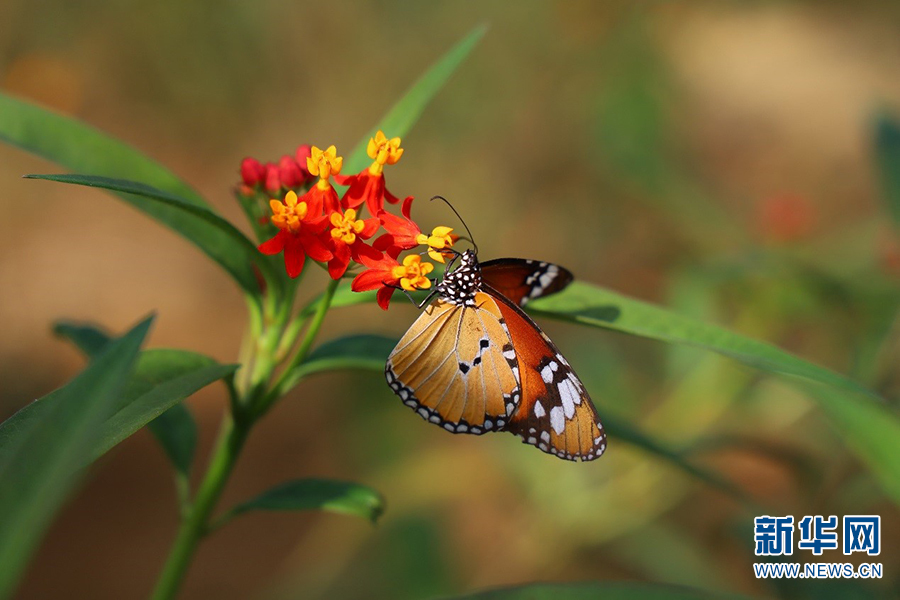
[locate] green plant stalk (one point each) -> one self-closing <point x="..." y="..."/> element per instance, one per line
<point x="285" y="381"/>
<point x="232" y="436"/>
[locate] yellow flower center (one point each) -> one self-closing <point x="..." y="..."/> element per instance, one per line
<point x="345" y="228"/>
<point x="288" y="214"/>
<point x="412" y="273"/>
<point x="323" y="164"/>
<point x="440" y="239"/>
<point x="383" y="151"/>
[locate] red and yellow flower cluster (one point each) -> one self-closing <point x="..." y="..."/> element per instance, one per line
<point x="329" y="228"/>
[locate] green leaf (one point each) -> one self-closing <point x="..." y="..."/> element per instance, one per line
<point x="366" y="351"/>
<point x="887" y="155"/>
<point x="90" y="339"/>
<point x="407" y="111"/>
<point x="607" y="590"/>
<point x="588" y="304"/>
<point x="871" y="431"/>
<point x="41" y="454"/>
<point x="176" y="432"/>
<point x="352" y="352"/>
<point x="79" y="147"/>
<point x="856" y="419"/>
<point x="175" y="429"/>
<point x="161" y="380"/>
<point x="215" y="236"/>
<point x="318" y="494"/>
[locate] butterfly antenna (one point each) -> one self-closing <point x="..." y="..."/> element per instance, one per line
<point x="458" y="216"/>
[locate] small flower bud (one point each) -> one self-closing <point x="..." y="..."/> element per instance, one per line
<point x="252" y="172"/>
<point x="289" y="172"/>
<point x="303" y="152"/>
<point x="273" y="180"/>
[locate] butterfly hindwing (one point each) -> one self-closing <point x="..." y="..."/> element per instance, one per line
<point x="455" y="367"/>
<point x="555" y="413"/>
<point x="522" y="280"/>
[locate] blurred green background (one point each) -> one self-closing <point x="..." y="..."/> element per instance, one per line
<point x="717" y="158"/>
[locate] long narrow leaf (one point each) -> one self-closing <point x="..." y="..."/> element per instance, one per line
<point x="871" y="431"/>
<point x="352" y="352"/>
<point x="79" y="147"/>
<point x="870" y="428"/>
<point x="176" y="373"/>
<point x="218" y="238"/>
<point x="592" y="305"/>
<point x="42" y="456"/>
<point x="407" y="111"/>
<point x="318" y="494"/>
<point x="153" y="391"/>
<point x="588" y="304"/>
<point x="176" y="432"/>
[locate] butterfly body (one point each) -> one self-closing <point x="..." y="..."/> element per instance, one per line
<point x="474" y="362"/>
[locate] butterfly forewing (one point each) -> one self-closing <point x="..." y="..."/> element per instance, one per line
<point x="455" y="366"/>
<point x="555" y="414"/>
<point x="522" y="280"/>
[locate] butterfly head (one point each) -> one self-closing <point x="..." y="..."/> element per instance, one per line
<point x="460" y="285"/>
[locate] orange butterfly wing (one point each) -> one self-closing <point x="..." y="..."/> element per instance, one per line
<point x="555" y="414"/>
<point x="455" y="367"/>
<point x="522" y="280"/>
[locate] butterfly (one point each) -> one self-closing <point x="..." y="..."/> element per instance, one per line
<point x="474" y="362"/>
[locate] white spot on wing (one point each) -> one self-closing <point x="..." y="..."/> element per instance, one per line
<point x="557" y="420"/>
<point x="539" y="409"/>
<point x="547" y="374"/>
<point x="568" y="395"/>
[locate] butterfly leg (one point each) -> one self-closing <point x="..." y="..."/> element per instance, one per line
<point x="418" y="305"/>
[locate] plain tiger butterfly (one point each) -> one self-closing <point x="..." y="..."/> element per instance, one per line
<point x="474" y="362"/>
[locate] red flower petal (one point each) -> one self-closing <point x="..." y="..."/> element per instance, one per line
<point x="374" y="194"/>
<point x="390" y="197"/>
<point x="337" y="266"/>
<point x="360" y="250"/>
<point x="344" y="179"/>
<point x="407" y="207"/>
<point x="402" y="229"/>
<point x="294" y="257"/>
<point x="382" y="263"/>
<point x="371" y="227"/>
<point x="274" y="245"/>
<point x="370" y="279"/>
<point x="314" y="246"/>
<point x="384" y="297"/>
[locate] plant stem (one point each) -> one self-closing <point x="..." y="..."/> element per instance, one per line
<point x="228" y="446"/>
<point x="246" y="406"/>
<point x="285" y="380"/>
